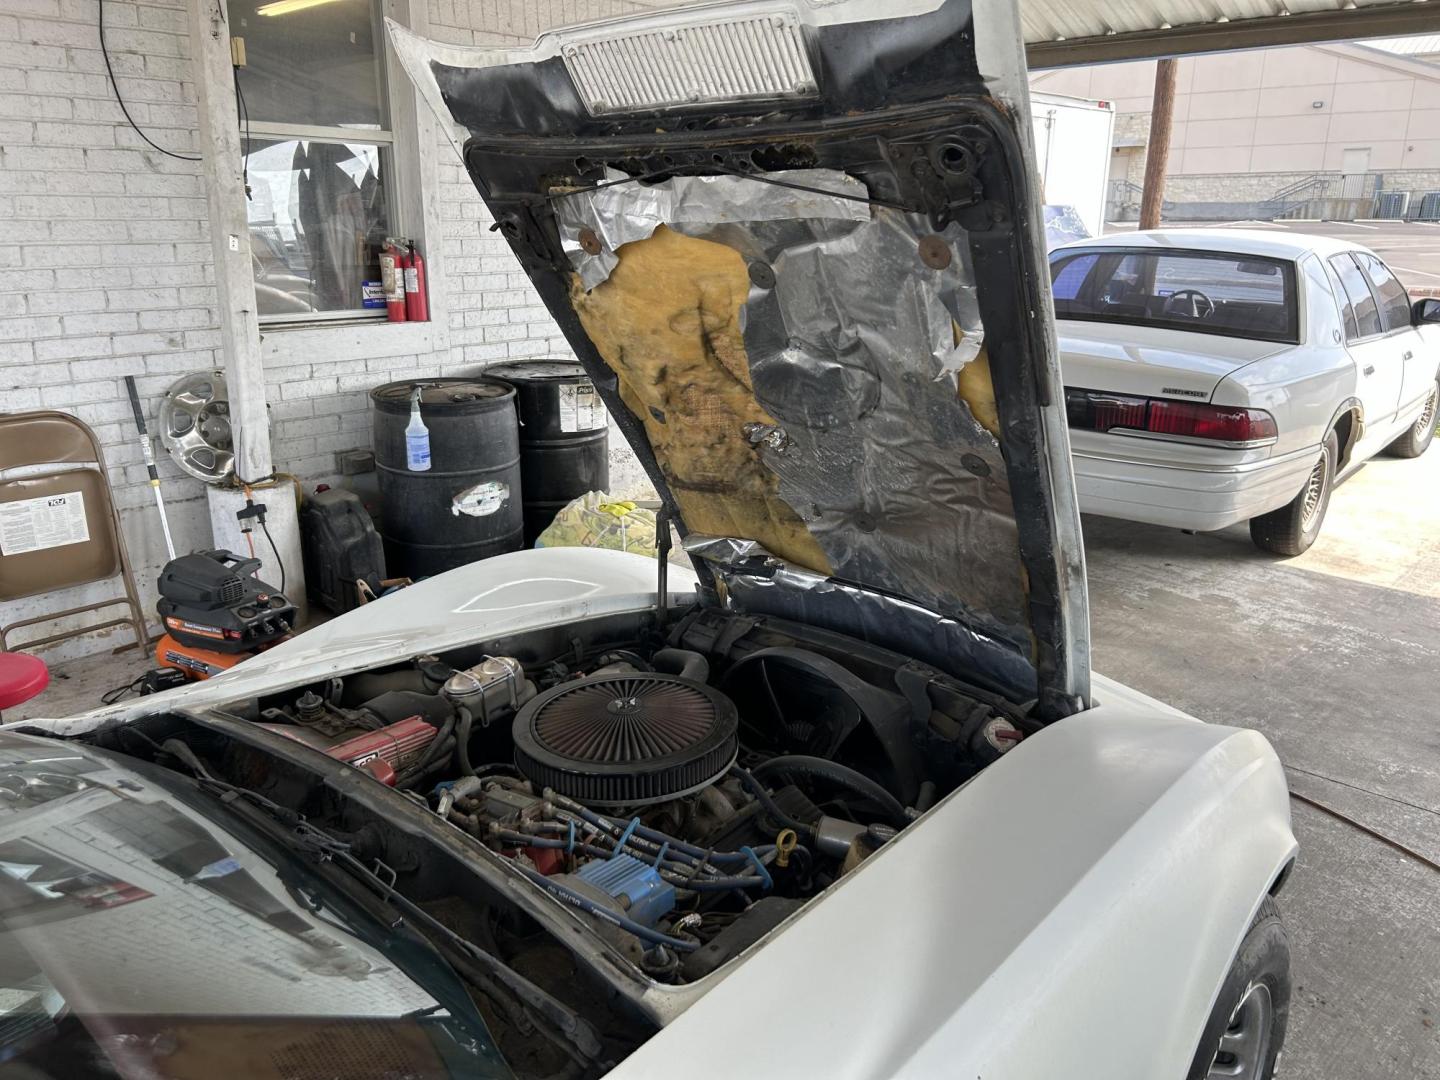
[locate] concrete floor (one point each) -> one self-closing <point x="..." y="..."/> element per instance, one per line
<point x="1335" y="657"/>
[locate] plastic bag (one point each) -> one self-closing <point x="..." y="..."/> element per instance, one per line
<point x="597" y="519"/>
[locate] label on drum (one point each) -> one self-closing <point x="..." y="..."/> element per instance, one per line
<point x="480" y="500"/>
<point x="581" y="408"/>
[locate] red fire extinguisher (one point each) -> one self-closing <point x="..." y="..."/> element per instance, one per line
<point x="417" y="304"/>
<point x="392" y="281"/>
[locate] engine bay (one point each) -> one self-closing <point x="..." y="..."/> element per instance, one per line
<point x="681" y="794"/>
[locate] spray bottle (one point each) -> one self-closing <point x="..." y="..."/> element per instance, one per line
<point x="417" y="437"/>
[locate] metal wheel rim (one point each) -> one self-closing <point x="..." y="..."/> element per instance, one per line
<point x="1245" y="1045"/>
<point x="194" y="426"/>
<point x="1315" y="489"/>
<point x="1427" y="414"/>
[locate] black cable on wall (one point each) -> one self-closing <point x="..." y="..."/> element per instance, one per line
<point x="105" y="52"/>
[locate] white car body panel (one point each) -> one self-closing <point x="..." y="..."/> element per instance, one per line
<point x="1306" y="387"/>
<point x="1126" y="889"/>
<point x="1151" y="360"/>
<point x="1118" y="899"/>
<point x="1102" y="872"/>
<point x="506" y="594"/>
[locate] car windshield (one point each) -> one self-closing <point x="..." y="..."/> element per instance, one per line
<point x="1205" y="292"/>
<point x="142" y="936"/>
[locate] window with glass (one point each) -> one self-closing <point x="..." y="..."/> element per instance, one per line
<point x="1200" y="291"/>
<point x="1360" y="298"/>
<point x="1394" y="300"/>
<point x="318" y="154"/>
<point x="1342" y="302"/>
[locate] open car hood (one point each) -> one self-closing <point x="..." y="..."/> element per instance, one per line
<point x="795" y="245"/>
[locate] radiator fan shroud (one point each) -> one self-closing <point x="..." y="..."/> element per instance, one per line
<point x="626" y="739"/>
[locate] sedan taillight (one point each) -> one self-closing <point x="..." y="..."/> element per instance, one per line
<point x="1095" y="410"/>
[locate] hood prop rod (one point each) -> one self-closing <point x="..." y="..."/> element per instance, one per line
<point x="662" y="572"/>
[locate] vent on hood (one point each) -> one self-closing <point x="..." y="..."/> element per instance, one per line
<point x="626" y="740"/>
<point x="757" y="58"/>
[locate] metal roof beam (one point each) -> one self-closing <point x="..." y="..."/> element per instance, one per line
<point x="1387" y="20"/>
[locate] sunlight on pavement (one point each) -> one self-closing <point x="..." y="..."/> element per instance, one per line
<point x="1383" y="526"/>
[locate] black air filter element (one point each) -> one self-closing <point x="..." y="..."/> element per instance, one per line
<point x="626" y="740"/>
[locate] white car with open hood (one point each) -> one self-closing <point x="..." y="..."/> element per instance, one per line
<point x="1214" y="376"/>
<point x="846" y="801"/>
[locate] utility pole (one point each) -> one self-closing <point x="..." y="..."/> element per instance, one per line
<point x="1157" y="154"/>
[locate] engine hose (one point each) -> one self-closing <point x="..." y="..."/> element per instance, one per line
<point x="614" y="829"/>
<point x="680" y="847"/>
<point x="679" y="862"/>
<point x="686" y="663"/>
<point x="585" y="904"/>
<point x="509" y="836"/>
<point x="432" y="754"/>
<point x="713" y="884"/>
<point x="686" y="874"/>
<point x="840" y="776"/>
<point x="925" y="797"/>
<point x="772" y="808"/>
<point x="462" y="740"/>
<point x="603" y="829"/>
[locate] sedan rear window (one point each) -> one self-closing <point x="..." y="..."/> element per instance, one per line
<point x="1205" y="292"/>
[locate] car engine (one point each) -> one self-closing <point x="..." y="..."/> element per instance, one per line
<point x="684" y="800"/>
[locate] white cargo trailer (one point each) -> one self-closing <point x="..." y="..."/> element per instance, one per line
<point x="1072" y="153"/>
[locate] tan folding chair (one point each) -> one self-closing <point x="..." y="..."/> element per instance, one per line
<point x="58" y="523"/>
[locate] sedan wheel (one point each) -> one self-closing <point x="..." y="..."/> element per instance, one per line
<point x="1294" y="527"/>
<point x="1415" y="441"/>
<point x="1245" y="1046"/>
<point x="1246" y="1027"/>
<point x="1312" y="499"/>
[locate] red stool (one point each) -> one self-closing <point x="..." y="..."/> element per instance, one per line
<point x="22" y="676"/>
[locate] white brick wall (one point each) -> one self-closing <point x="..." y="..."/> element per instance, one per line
<point x="110" y="270"/>
<point x="494" y="313"/>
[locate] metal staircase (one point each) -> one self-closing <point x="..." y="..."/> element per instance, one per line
<point x="1324" y="195"/>
<point x="1125" y="198"/>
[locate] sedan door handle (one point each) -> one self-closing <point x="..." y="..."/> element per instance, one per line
<point x="1408" y="355"/>
<point x="1370" y="369"/>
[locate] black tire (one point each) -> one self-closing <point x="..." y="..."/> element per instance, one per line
<point x="1420" y="434"/>
<point x="1294" y="527"/>
<point x="1262" y="962"/>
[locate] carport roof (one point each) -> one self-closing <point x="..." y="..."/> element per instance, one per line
<point x="1061" y="33"/>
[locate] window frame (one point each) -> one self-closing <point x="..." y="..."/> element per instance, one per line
<point x="399" y="209"/>
<point x="1386" y="331"/>
<point x="1152" y="254"/>
<point x="1349" y="253"/>
<point x="1349" y="326"/>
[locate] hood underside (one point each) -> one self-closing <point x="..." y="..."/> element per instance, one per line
<point x="816" y="306"/>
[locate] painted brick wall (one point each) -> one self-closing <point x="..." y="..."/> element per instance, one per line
<point x="495" y="314"/>
<point x="108" y="269"/>
<point x="111" y="273"/>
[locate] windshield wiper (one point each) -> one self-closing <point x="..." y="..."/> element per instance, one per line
<point x="524" y="1004"/>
